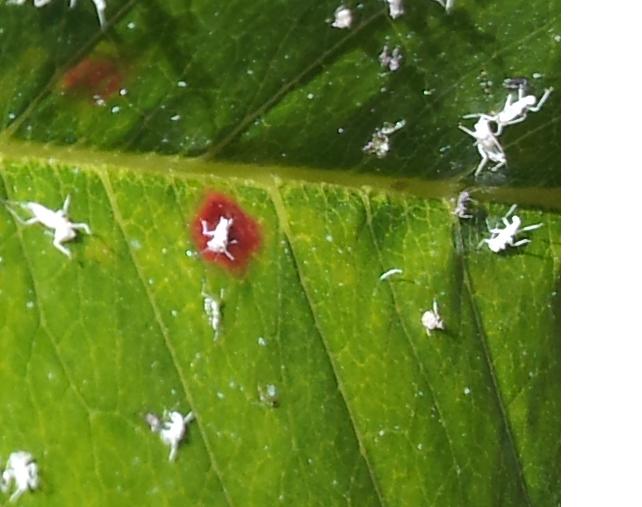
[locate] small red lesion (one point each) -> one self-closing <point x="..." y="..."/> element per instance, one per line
<point x="244" y="234"/>
<point x="93" y="76"/>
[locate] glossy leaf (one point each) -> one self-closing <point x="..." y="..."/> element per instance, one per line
<point x="320" y="386"/>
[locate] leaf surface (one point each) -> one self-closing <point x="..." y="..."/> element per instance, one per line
<point x="367" y="408"/>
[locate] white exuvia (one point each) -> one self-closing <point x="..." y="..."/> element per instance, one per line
<point x="446" y="4"/>
<point x="431" y="319"/>
<point x="502" y="238"/>
<point x="342" y="17"/>
<point x="21" y="469"/>
<point x="461" y="207"/>
<point x="389" y="273"/>
<point x="379" y="145"/>
<point x="63" y="229"/>
<point x="395" y="8"/>
<point x="212" y="308"/>
<point x="390" y="59"/>
<point x="100" y="6"/>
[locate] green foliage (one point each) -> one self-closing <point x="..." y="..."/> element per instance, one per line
<point x="370" y="410"/>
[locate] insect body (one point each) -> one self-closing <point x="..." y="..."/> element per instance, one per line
<point x="220" y="236"/>
<point x="63" y="229"/>
<point x="431" y="319"/>
<point x="514" y="112"/>
<point x="171" y="430"/>
<point x="487" y="144"/>
<point x="502" y="238"/>
<point x="22" y="469"/>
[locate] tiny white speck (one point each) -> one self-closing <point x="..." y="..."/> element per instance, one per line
<point x="310" y="96"/>
<point x="340" y="130"/>
<point x="329" y="238"/>
<point x="123" y="91"/>
<point x="261" y="341"/>
<point x="220" y="395"/>
<point x="12" y="116"/>
<point x="135" y="244"/>
<point x="466" y="391"/>
<point x="115" y="109"/>
<point x="29" y="304"/>
<point x="429" y="92"/>
<point x="537" y="75"/>
<point x="557" y="38"/>
<point x="131" y="25"/>
<point x="182" y="84"/>
<point x="420" y="446"/>
<point x="250" y="72"/>
<point x="381" y="433"/>
<point x="190" y="253"/>
<point x="176" y="117"/>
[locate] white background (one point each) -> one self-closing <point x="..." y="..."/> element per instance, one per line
<point x="601" y="253"/>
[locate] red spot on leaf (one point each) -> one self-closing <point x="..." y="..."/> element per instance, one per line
<point x="244" y="235"/>
<point x="93" y="76"/>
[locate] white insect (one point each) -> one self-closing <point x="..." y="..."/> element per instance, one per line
<point x="431" y="319"/>
<point x="379" y="145"/>
<point x="100" y="6"/>
<point x="220" y="236"/>
<point x="212" y="308"/>
<point x="461" y="207"/>
<point x="514" y="112"/>
<point x="487" y="144"/>
<point x="342" y="17"/>
<point x="446" y="4"/>
<point x="502" y="238"/>
<point x="63" y="229"/>
<point x="389" y="273"/>
<point x="390" y="60"/>
<point x="395" y="8"/>
<point x="171" y="430"/>
<point x="22" y="469"/>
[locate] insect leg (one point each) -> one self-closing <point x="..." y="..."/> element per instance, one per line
<point x="84" y="227"/>
<point x="531" y="227"/>
<point x="61" y="248"/>
<point x="539" y="105"/>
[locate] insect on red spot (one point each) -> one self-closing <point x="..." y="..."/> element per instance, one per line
<point x="224" y="233"/>
<point x="93" y="76"/>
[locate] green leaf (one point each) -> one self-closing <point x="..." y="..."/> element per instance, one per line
<point x="321" y="387"/>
